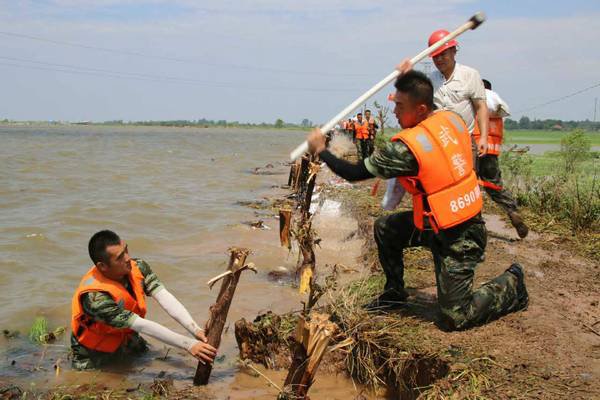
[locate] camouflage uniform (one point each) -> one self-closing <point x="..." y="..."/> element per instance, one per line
<point x="101" y="307"/>
<point x="456" y="252"/>
<point x="488" y="169"/>
<point x="362" y="148"/>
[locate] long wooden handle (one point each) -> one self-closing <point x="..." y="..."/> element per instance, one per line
<point x="472" y="23"/>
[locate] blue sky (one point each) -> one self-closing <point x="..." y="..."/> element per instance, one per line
<point x="261" y="60"/>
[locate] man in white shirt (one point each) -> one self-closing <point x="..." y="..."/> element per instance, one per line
<point x="457" y="88"/>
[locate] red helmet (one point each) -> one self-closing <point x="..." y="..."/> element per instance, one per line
<point x="436" y="37"/>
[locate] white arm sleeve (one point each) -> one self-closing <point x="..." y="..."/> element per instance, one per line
<point x="165" y="335"/>
<point x="176" y="310"/>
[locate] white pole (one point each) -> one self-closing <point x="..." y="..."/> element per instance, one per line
<point x="472" y="23"/>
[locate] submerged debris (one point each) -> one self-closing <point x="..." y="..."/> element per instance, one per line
<point x="8" y="334"/>
<point x="264" y="341"/>
<point x="260" y="224"/>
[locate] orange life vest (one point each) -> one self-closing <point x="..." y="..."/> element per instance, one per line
<point x="445" y="190"/>
<point x="361" y="129"/>
<point x="495" y="135"/>
<point x="372" y="130"/>
<point x="96" y="335"/>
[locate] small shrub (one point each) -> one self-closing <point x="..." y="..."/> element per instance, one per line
<point x="516" y="162"/>
<point x="574" y="148"/>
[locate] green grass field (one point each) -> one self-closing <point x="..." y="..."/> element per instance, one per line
<point x="543" y="137"/>
<point x="550" y="161"/>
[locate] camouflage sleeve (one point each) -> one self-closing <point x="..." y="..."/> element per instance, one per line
<point x="392" y="160"/>
<point x="101" y="307"/>
<point x="151" y="281"/>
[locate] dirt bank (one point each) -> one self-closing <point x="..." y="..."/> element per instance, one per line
<point x="550" y="351"/>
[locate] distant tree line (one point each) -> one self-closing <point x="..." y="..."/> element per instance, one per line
<point x="551" y="124"/>
<point x="203" y="122"/>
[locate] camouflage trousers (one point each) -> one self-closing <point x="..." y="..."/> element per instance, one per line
<point x="456" y="252"/>
<point x="362" y="148"/>
<point x="84" y="358"/>
<point x="488" y="169"/>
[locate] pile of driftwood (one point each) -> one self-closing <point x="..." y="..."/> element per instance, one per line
<point x="306" y="337"/>
<point x="261" y="340"/>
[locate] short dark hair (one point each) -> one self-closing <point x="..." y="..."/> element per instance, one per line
<point x="487" y="84"/>
<point x="99" y="242"/>
<point x="418" y="87"/>
<point x="367" y="111"/>
<point x="358" y="114"/>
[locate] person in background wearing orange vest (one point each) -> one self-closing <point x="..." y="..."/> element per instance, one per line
<point x="361" y="129"/>
<point x="372" y="131"/>
<point x="488" y="168"/>
<point x="431" y="158"/>
<point x="349" y="129"/>
<point x="109" y="308"/>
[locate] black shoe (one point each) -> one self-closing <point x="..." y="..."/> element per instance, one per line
<point x="388" y="300"/>
<point x="518" y="224"/>
<point x="522" y="296"/>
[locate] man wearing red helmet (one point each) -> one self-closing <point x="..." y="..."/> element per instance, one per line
<point x="457" y="88"/>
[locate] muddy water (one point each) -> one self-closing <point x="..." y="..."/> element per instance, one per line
<point x="171" y="194"/>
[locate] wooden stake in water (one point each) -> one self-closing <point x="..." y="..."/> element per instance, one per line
<point x="219" y="310"/>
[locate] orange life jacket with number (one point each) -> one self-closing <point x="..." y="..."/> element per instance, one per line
<point x="96" y="335"/>
<point x="445" y="190"/>
<point x="361" y="129"/>
<point x="495" y="135"/>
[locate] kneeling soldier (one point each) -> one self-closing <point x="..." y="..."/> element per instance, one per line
<point x="432" y="159"/>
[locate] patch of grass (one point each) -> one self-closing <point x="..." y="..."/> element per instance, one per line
<point x="385" y="350"/>
<point x="547" y="163"/>
<point x="38" y="330"/>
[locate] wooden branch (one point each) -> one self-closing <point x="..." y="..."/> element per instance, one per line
<point x="292" y="175"/>
<point x="218" y="311"/>
<point x="307" y="251"/>
<point x="313" y="169"/>
<point x="297" y="175"/>
<point x="303" y="178"/>
<point x="310" y="343"/>
<point x="285" y="223"/>
<point x="305" y="238"/>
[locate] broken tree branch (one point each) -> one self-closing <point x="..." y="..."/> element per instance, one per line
<point x="218" y="311"/>
<point x="310" y="343"/>
<point x="285" y="223"/>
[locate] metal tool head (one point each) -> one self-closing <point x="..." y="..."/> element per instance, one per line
<point x="477" y="19"/>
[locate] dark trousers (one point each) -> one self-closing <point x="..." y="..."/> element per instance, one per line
<point x="362" y="147"/>
<point x="488" y="169"/>
<point x="456" y="252"/>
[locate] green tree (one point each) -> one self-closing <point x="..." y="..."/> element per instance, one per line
<point x="306" y="123"/>
<point x="524" y="123"/>
<point x="279" y="123"/>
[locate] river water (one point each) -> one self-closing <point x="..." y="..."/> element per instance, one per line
<point x="172" y="195"/>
